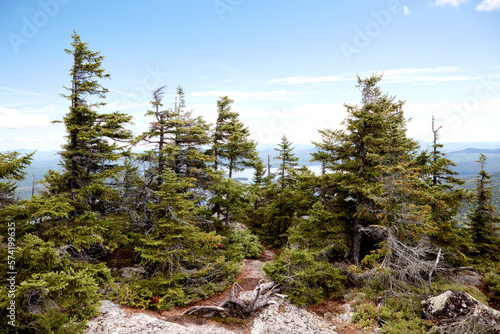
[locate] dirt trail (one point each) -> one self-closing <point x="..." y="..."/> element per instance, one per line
<point x="280" y="317"/>
<point x="251" y="274"/>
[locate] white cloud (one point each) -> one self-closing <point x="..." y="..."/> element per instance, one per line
<point x="13" y="119"/>
<point x="12" y="90"/>
<point x="453" y="3"/>
<point x="308" y="79"/>
<point x="406" y="10"/>
<point x="250" y="95"/>
<point x="489" y="5"/>
<point x="424" y="76"/>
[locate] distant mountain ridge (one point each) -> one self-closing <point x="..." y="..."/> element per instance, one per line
<point x="464" y="155"/>
<point x="477" y="151"/>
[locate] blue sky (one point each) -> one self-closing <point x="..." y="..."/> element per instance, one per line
<point x="289" y="65"/>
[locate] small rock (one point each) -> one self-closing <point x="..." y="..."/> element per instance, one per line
<point x="469" y="278"/>
<point x="345" y="318"/>
<point x="132" y="272"/>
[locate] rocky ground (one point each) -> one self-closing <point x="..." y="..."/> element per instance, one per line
<point x="281" y="317"/>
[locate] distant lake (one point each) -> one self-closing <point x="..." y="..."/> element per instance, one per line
<point x="248" y="173"/>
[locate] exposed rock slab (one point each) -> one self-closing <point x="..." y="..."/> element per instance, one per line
<point x="114" y="321"/>
<point x="286" y="318"/>
<point x="459" y="312"/>
<point x="279" y="318"/>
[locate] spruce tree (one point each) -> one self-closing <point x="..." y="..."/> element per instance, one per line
<point x="353" y="157"/>
<point x="180" y="259"/>
<point x="288" y="162"/>
<point x="52" y="295"/>
<point x="86" y="188"/>
<point x="281" y="200"/>
<point x="484" y="221"/>
<point x="91" y="152"/>
<point x="11" y="171"/>
<point x="231" y="145"/>
<point x="157" y="135"/>
<point x="445" y="200"/>
<point x="231" y="149"/>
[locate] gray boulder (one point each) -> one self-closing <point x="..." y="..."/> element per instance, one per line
<point x="459" y="312"/>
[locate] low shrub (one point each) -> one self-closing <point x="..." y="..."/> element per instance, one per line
<point x="304" y="279"/>
<point x="242" y="244"/>
<point x="51" y="294"/>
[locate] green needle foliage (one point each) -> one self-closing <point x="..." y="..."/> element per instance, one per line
<point x="233" y="150"/>
<point x="231" y="146"/>
<point x="178" y="139"/>
<point x="178" y="256"/>
<point x="376" y="216"/>
<point x="52" y="295"/>
<point x="484" y="222"/>
<point x="355" y="156"/>
<point x="11" y="171"/>
<point x="446" y="197"/>
<point x="90" y="161"/>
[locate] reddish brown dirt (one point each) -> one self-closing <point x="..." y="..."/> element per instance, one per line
<point x="329" y="309"/>
<point x="251" y="274"/>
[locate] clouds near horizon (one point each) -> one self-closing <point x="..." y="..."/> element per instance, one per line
<point x="13" y="119"/>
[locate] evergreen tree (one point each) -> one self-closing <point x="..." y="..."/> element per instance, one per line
<point x="11" y="170"/>
<point x="87" y="188"/>
<point x="255" y="195"/>
<point x="484" y="222"/>
<point x="188" y="137"/>
<point x="52" y="295"/>
<point x="232" y="149"/>
<point x="231" y="146"/>
<point x="279" y="201"/>
<point x="157" y="134"/>
<point x="401" y="213"/>
<point x="175" y="237"/>
<point x="288" y="162"/>
<point x="321" y="232"/>
<point x="446" y="197"/>
<point x="91" y="151"/>
<point x="178" y="256"/>
<point x="178" y="139"/>
<point x="353" y="156"/>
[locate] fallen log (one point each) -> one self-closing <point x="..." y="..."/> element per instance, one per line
<point x="235" y="306"/>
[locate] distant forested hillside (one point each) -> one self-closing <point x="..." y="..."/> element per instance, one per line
<point x="470" y="183"/>
<point x="465" y="160"/>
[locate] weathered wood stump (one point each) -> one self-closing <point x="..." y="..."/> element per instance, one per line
<point x="237" y="307"/>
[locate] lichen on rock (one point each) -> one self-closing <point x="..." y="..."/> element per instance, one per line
<point x="459" y="312"/>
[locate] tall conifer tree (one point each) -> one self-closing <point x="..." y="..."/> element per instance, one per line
<point x="90" y="159"/>
<point x="354" y="156"/>
<point x="484" y="221"/>
<point x="232" y="147"/>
